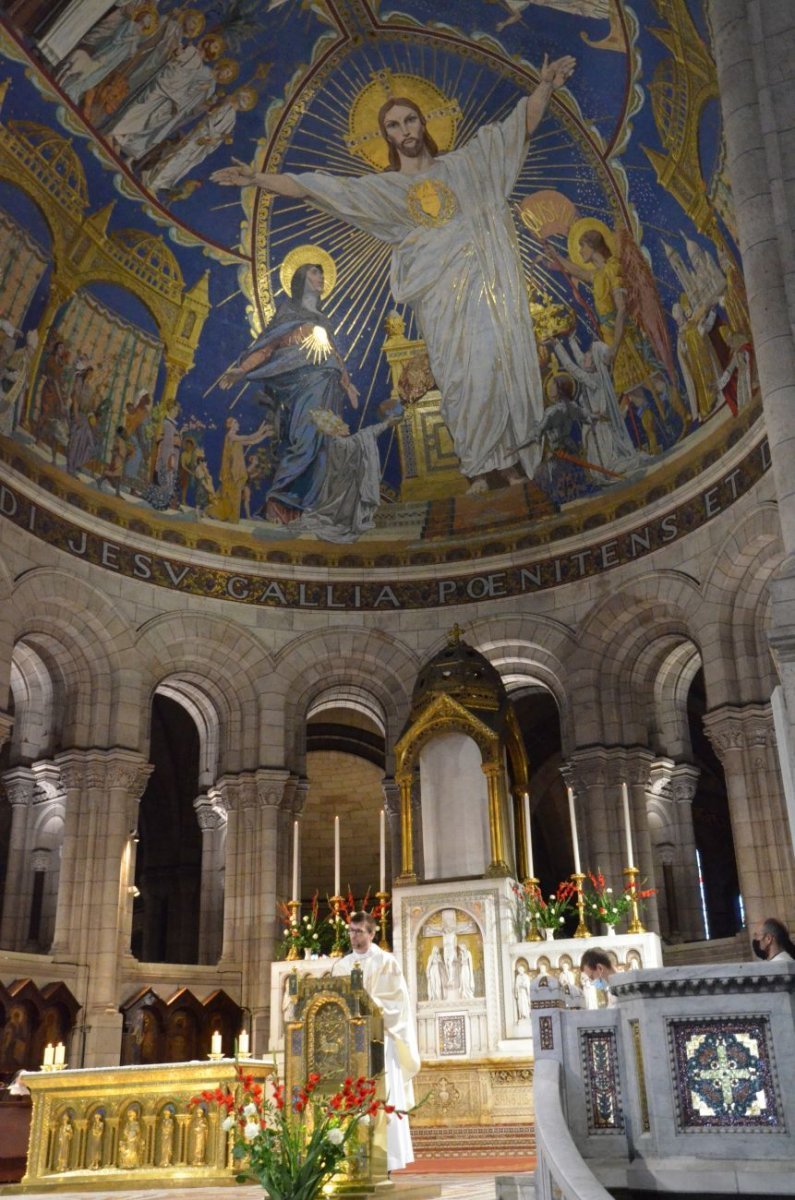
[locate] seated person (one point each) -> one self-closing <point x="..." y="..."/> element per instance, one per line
<point x="598" y="967"/>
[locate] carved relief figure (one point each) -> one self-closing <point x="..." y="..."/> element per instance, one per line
<point x="96" y="1133"/>
<point x="63" y="1143"/>
<point x="199" y="1131"/>
<point x="434" y="975"/>
<point x="131" y="1140"/>
<point x="168" y="1127"/>
<point x="521" y="992"/>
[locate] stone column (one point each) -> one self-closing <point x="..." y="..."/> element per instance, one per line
<point x="744" y="740"/>
<point x="49" y="803"/>
<point x="103" y="790"/>
<point x="669" y="800"/>
<point x="211" y="816"/>
<point x="391" y="793"/>
<point x="596" y="775"/>
<point x="253" y="801"/>
<point x="752" y="43"/>
<point x="19" y="784"/>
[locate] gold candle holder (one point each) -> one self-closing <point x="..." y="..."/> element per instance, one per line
<point x="582" y="930"/>
<point x="213" y="1057"/>
<point x="337" y="950"/>
<point x="635" y="925"/>
<point x="535" y="887"/>
<point x="382" y="898"/>
<point x="294" y="907"/>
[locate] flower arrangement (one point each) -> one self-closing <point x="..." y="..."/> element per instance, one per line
<point x="549" y="913"/>
<point x="292" y="1149"/>
<point x="609" y="906"/>
<point x="311" y="932"/>
<point x="319" y="934"/>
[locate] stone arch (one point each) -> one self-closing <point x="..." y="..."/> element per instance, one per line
<point x="222" y="675"/>
<point x="535" y="648"/>
<point x="77" y="634"/>
<point x="368" y="658"/>
<point x="737" y="601"/>
<point x="656" y="607"/>
<point x="33" y="692"/>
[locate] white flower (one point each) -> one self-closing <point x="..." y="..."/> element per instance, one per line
<point x="250" y="1110"/>
<point x="250" y="1130"/>
<point x="227" y="1124"/>
<point x="608" y="891"/>
<point x="561" y="920"/>
<point x="335" y="1136"/>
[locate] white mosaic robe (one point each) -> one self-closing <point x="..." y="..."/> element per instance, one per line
<point x="455" y="260"/>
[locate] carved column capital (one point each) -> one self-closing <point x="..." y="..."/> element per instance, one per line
<point x="672" y="781"/>
<point x="49" y="784"/>
<point x="210" y="815"/>
<point x="606" y="766"/>
<point x="275" y="787"/>
<point x="732" y="728"/>
<point x="19" y="784"/>
<point x="40" y="860"/>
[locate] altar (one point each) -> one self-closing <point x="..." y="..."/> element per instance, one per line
<point x="130" y="1127"/>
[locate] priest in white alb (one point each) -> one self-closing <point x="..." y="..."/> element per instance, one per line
<point x="385" y="984"/>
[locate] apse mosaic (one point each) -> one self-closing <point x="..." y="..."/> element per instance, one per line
<point x="489" y="346"/>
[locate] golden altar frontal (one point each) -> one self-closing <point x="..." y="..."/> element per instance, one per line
<point x="130" y="1127"/>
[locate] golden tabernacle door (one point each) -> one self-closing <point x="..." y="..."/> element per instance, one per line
<point x="336" y="1030"/>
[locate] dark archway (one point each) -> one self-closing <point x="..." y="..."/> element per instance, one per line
<point x="168" y="863"/>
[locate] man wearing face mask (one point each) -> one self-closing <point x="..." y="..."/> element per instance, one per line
<point x="772" y="943"/>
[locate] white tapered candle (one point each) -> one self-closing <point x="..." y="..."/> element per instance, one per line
<point x="60" y="1054"/>
<point x="336" y="856"/>
<point x="382" y="852"/>
<point x="528" y="837"/>
<point x="49" y="1055"/>
<point x="575" y="844"/>
<point x="296" y="843"/>
<point x="216" y="1043"/>
<point x="242" y="1042"/>
<point x="627" y="826"/>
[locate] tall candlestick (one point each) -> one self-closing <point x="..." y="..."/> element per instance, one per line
<point x="528" y="837"/>
<point x="575" y="844"/>
<point x="627" y="826"/>
<point x="382" y="859"/>
<point x="336" y="856"/>
<point x="296" y="842"/>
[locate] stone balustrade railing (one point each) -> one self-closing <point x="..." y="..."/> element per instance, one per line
<point x="683" y="1086"/>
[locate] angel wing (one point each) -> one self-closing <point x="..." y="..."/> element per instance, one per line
<point x="643" y="302"/>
